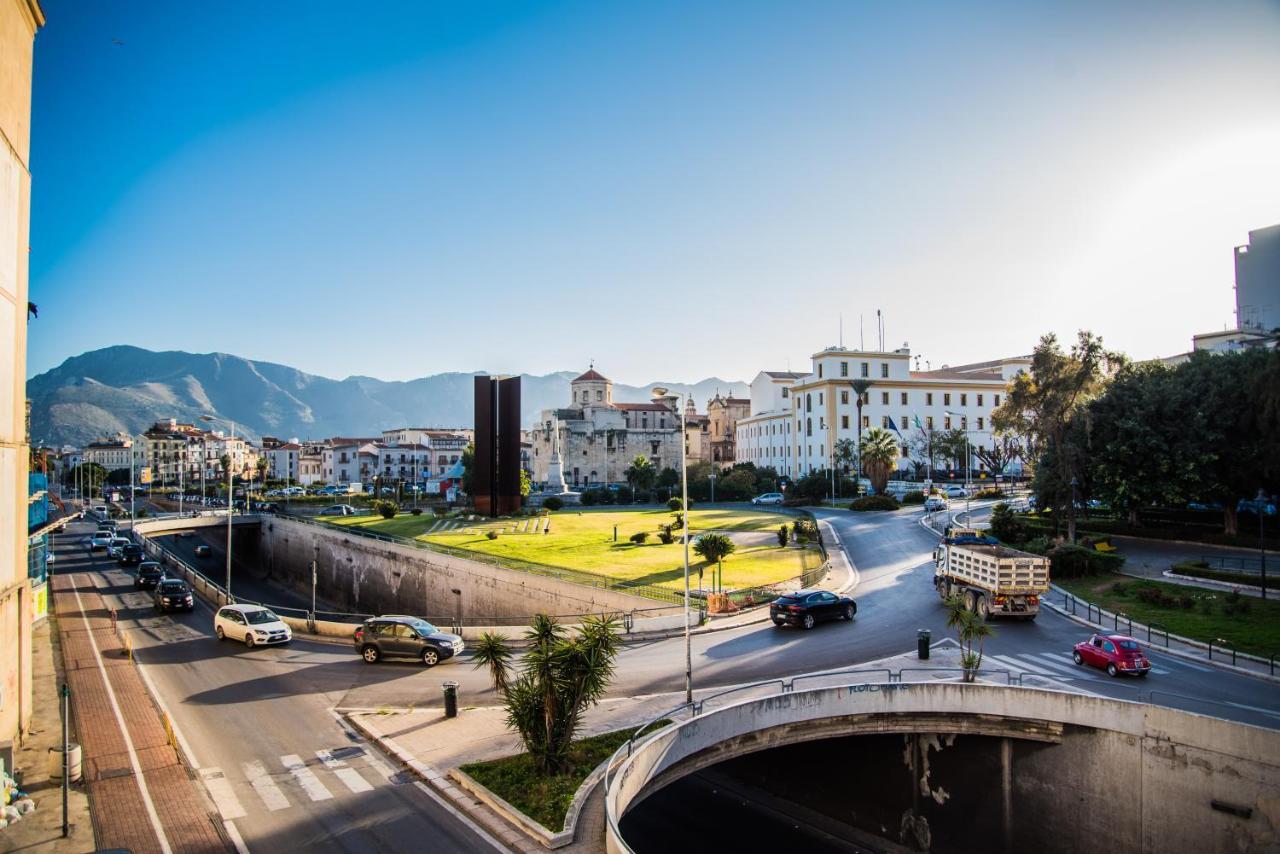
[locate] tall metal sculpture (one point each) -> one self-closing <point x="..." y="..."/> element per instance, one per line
<point x="496" y="484"/>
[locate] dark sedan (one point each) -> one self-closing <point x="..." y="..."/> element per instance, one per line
<point x="173" y="594"/>
<point x="130" y="555"/>
<point x="149" y="575"/>
<point x="807" y="608"/>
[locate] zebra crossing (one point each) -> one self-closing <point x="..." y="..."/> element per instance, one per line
<point x="1053" y="665"/>
<point x="290" y="780"/>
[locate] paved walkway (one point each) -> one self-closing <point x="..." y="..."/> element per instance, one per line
<point x="141" y="795"/>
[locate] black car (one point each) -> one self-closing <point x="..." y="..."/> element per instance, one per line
<point x="130" y="555"/>
<point x="807" y="608"/>
<point x="203" y="551"/>
<point x="173" y="594"/>
<point x="149" y="575"/>
<point x="405" y="637"/>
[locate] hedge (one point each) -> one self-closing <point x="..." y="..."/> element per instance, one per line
<point x="874" y="502"/>
<point x="1068" y="561"/>
<point x="1200" y="569"/>
<point x="915" y="496"/>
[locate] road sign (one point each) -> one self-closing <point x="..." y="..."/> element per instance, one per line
<point x="144" y="475"/>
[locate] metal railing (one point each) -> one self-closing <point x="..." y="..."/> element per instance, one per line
<point x="1162" y="628"/>
<point x="1232" y="563"/>
<point x="1223" y="644"/>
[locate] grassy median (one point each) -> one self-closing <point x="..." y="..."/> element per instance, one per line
<point x="1250" y="623"/>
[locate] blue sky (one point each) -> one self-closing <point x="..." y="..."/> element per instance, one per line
<point x="676" y="190"/>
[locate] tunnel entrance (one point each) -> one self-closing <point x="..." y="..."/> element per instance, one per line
<point x="862" y="793"/>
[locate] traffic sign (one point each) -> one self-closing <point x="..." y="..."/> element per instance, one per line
<point x="144" y="475"/>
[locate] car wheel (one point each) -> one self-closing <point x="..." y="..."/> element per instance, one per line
<point x="1077" y="657"/>
<point x="218" y="631"/>
<point x="370" y="654"/>
<point x="848" y="612"/>
<point x="1112" y="671"/>
<point x="777" y="624"/>
<point x="808" y="621"/>
<point x="248" y="639"/>
<point x="430" y="657"/>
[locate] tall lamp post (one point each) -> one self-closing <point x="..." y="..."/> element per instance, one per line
<point x="968" y="454"/>
<point x="231" y="501"/>
<point x="684" y="517"/>
<point x="859" y="390"/>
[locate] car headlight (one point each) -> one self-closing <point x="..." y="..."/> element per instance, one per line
<point x="260" y="633"/>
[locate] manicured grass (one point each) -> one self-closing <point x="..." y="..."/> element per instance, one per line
<point x="583" y="540"/>
<point x="547" y="799"/>
<point x="1256" y="631"/>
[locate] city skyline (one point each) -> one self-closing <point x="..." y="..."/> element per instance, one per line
<point x="741" y="176"/>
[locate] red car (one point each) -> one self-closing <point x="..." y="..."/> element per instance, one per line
<point x="1116" y="654"/>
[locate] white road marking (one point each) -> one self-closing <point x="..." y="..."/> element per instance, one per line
<point x="350" y="776"/>
<point x="124" y="731"/>
<point x="224" y="797"/>
<point x="462" y="817"/>
<point x="1015" y="664"/>
<point x="1067" y="668"/>
<point x="309" y="782"/>
<point x="272" y="798"/>
<point x="1269" y="712"/>
<point x="236" y="839"/>
<point x="1181" y="663"/>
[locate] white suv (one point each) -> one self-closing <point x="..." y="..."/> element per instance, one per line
<point x="252" y="624"/>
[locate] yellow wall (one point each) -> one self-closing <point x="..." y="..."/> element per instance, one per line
<point x="19" y="20"/>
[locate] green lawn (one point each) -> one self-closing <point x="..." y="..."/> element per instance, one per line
<point x="547" y="799"/>
<point x="1256" y="631"/>
<point x="583" y="540"/>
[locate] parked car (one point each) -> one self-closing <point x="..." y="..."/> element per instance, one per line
<point x="955" y="491"/>
<point x="173" y="594"/>
<point x="768" y="498"/>
<point x="203" y="551"/>
<point x="405" y="637"/>
<point x="807" y="608"/>
<point x="99" y="541"/>
<point x="1115" y="654"/>
<point x="935" y="502"/>
<point x="339" y="510"/>
<point x="100" y="509"/>
<point x="116" y="544"/>
<point x="253" y="624"/>
<point x="130" y="555"/>
<point x="149" y="575"/>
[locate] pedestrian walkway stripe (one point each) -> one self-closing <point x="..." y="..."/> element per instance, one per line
<point x="224" y="797"/>
<point x="1015" y="664"/>
<point x="272" y="798"/>
<point x="309" y="782"/>
<point x="1068" y="668"/>
<point x="350" y="776"/>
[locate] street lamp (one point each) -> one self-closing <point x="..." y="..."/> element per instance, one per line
<point x="1072" y="515"/>
<point x="859" y="389"/>
<point x="968" y="453"/>
<point x="230" y="490"/>
<point x="684" y="517"/>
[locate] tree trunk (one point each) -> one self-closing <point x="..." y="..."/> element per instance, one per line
<point x="1071" y="523"/>
<point x="1230" y="519"/>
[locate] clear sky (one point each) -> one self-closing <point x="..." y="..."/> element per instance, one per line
<point x="675" y="189"/>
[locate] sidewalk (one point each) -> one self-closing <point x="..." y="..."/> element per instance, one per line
<point x="42" y="830"/>
<point x="141" y="795"/>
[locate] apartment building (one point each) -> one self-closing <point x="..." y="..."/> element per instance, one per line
<point x="111" y="454"/>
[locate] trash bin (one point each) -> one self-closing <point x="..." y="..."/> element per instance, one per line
<point x="450" y="699"/>
<point x="74" y="756"/>
<point x="923" y="637"/>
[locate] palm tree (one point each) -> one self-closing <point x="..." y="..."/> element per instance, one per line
<point x="641" y="474"/>
<point x="560" y="677"/>
<point x="713" y="548"/>
<point x="879" y="451"/>
<point x="970" y="628"/>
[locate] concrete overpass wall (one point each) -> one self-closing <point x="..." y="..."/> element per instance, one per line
<point x="1066" y="772"/>
<point x="379" y="577"/>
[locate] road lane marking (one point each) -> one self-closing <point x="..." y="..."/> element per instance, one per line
<point x="236" y="839"/>
<point x="1019" y="665"/>
<point x="224" y="797"/>
<point x="272" y="798"/>
<point x="1269" y="712"/>
<point x="350" y="776"/>
<point x="152" y="815"/>
<point x="1171" y="661"/>
<point x="307" y="779"/>
<point x="1071" y="669"/>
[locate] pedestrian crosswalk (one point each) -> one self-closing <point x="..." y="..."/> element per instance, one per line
<point x="272" y="786"/>
<point x="1053" y="665"/>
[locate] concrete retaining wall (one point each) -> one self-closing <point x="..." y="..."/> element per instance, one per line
<point x="379" y="577"/>
<point x="1125" y="777"/>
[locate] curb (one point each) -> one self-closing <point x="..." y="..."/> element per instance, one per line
<point x="1210" y="583"/>
<point x="1176" y="653"/>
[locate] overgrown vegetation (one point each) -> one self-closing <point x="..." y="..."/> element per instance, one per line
<point x="874" y="502"/>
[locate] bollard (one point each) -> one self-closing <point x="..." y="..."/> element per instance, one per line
<point x="450" y="699"/>
<point x="923" y="637"/>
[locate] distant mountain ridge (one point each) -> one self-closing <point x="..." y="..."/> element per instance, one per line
<point x="126" y="389"/>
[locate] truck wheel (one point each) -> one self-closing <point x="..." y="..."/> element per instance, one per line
<point x="971" y="601"/>
<point x="984" y="610"/>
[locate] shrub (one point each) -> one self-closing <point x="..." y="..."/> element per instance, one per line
<point x="589" y="498"/>
<point x="915" y="496"/>
<point x="674" y="504"/>
<point x="553" y="503"/>
<point x="1206" y="606"/>
<point x="1119" y="588"/>
<point x="679" y="522"/>
<point x="493" y="535"/>
<point x="441" y="511"/>
<point x="1006" y="526"/>
<point x="624" y="495"/>
<point x="665" y="535"/>
<point x="1037" y="545"/>
<point x="874" y="502"/>
<point x="1186" y="603"/>
<point x="643" y="496"/>
<point x="1070" y="561"/>
<point x="386" y="509"/>
<point x="639" y="537"/>
<point x="989" y="492"/>
<point x="417" y="511"/>
<point x="784" y="534"/>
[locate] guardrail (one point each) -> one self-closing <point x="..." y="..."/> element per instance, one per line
<point x="1232" y="563"/>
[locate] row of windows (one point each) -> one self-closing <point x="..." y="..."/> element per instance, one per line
<point x="864" y="370"/>
<point x="904" y="424"/>
<point x="903" y="398"/>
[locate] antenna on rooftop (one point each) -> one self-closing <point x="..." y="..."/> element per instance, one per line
<point x="842" y="330"/>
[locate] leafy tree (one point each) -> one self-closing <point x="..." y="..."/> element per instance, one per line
<point x="846" y="454"/>
<point x="262" y="464"/>
<point x="89" y="474"/>
<point x="668" y="478"/>
<point x="712" y="548"/>
<point x="641" y="473"/>
<point x="879" y="451"/>
<point x="225" y="462"/>
<point x="951" y="446"/>
<point x="1044" y="405"/>
<point x="1006" y="526"/>
<point x="526" y="483"/>
<point x="118" y="477"/>
<point x="469" y="468"/>
<point x="736" y="485"/>
<point x="1003" y="451"/>
<point x="813" y="487"/>
<point x="386" y="509"/>
<point x="560" y="676"/>
<point x="970" y="629"/>
<point x="784" y="534"/>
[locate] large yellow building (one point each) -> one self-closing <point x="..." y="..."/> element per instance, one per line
<point x="19" y="20"/>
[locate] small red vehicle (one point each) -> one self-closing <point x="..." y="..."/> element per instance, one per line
<point x="1116" y="654"/>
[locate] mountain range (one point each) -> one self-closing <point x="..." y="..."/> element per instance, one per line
<point x="126" y="389"/>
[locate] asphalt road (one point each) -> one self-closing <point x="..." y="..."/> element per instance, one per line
<point x="249" y="715"/>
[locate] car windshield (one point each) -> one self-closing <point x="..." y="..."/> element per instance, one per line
<point x="173" y="587"/>
<point x="424" y="628"/>
<point x="1131" y="646"/>
<point x="257" y="618"/>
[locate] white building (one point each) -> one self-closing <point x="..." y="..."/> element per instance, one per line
<point x="796" y="420"/>
<point x="282" y="459"/>
<point x="111" y="454"/>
